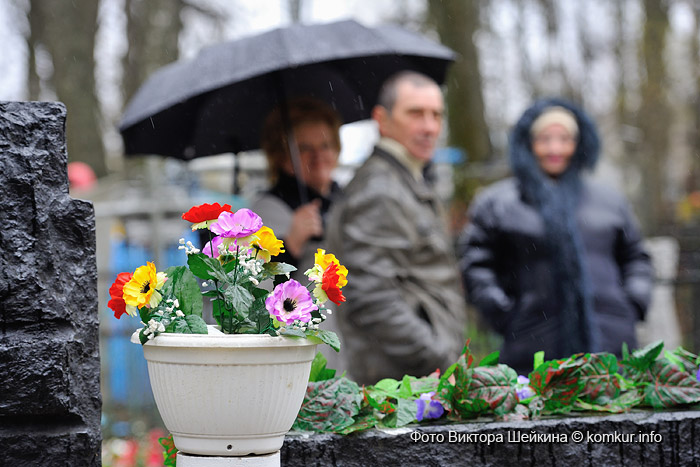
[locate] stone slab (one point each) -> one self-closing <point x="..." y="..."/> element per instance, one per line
<point x="641" y="438"/>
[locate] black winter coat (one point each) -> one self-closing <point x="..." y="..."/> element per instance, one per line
<point x="513" y="275"/>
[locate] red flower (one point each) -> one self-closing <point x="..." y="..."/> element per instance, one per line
<point x="330" y="284"/>
<point x="116" y="292"/>
<point x="205" y="212"/>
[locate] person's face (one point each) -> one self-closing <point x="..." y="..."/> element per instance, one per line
<point x="553" y="147"/>
<point x="318" y="154"/>
<point x="416" y="119"/>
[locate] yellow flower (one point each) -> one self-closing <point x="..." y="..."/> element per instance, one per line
<point x="142" y="289"/>
<point x="267" y="245"/>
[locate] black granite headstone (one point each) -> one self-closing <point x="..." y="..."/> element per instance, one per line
<point x="50" y="399"/>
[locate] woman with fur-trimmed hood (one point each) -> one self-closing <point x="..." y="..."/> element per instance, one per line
<point x="552" y="260"/>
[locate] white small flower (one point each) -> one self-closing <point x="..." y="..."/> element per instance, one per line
<point x="176" y="304"/>
<point x="205" y="284"/>
<point x="179" y="313"/>
<point x="254" y="281"/>
<point x="181" y="241"/>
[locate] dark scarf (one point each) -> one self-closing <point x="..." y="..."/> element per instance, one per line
<point x="287" y="189"/>
<point x="557" y="201"/>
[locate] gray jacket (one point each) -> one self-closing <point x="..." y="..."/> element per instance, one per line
<point x="405" y="310"/>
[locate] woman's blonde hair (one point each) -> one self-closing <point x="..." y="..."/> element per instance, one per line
<point x="273" y="140"/>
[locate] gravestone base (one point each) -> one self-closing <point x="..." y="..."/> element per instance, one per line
<point x="190" y="460"/>
<point x="639" y="438"/>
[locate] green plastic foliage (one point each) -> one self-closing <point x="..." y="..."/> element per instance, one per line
<point x="598" y="375"/>
<point x="319" y="372"/>
<point x="583" y="382"/>
<point x="205" y="267"/>
<point x="637" y="365"/>
<point x="183" y="285"/>
<point x="325" y="336"/>
<point x="329" y="406"/>
<point x="169" y="451"/>
<point x="686" y="360"/>
<point x="273" y="269"/>
<point x="486" y="389"/>
<point x="670" y="386"/>
<point x="558" y="384"/>
<point x="190" y="324"/>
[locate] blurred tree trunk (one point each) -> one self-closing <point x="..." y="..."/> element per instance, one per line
<point x="653" y="118"/>
<point x="694" y="169"/>
<point x="66" y="29"/>
<point x="295" y="10"/>
<point x="457" y="22"/>
<point x="152" y="29"/>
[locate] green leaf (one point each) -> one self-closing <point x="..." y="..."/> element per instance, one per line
<point x="598" y="376"/>
<point x="643" y="359"/>
<point x="319" y="372"/>
<point x="142" y="336"/>
<point x="621" y="404"/>
<point x="169" y="451"/>
<point x="445" y="389"/>
<point x="329" y="406"/>
<point x="557" y="384"/>
<point x="327" y="337"/>
<point x="491" y="359"/>
<point x="406" y="410"/>
<point x="183" y="285"/>
<point x="387" y="386"/>
<point x="490" y="388"/>
<point x="272" y="269"/>
<point x="671" y="386"/>
<point x="205" y="267"/>
<point x="239" y="298"/>
<point x="145" y="314"/>
<point x="378" y="401"/>
<point x="405" y="391"/>
<point x="688" y="359"/>
<point x="538" y="359"/>
<point x="190" y="324"/>
<point x="671" y="357"/>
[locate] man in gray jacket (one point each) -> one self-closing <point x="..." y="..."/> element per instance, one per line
<point x="405" y="310"/>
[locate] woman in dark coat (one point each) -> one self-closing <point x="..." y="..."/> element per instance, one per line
<point x="552" y="260"/>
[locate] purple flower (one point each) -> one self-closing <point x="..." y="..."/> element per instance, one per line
<point x="428" y="408"/>
<point x="697" y="375"/>
<point x="242" y="223"/>
<point x="523" y="389"/>
<point x="290" y="301"/>
<point x="211" y="249"/>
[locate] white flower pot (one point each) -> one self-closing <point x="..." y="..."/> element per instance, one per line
<point x="228" y="395"/>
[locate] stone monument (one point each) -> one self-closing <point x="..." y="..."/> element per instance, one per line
<point x="50" y="401"/>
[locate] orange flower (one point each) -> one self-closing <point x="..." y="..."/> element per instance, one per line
<point x="330" y="284"/>
<point x="330" y="276"/>
<point x="324" y="260"/>
<point x="116" y="292"/>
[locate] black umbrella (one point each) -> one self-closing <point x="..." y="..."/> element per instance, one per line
<point x="217" y="102"/>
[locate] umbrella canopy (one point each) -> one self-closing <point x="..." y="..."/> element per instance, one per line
<point x="217" y="102"/>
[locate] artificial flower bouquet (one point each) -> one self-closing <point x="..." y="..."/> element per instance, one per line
<point x="232" y="268"/>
